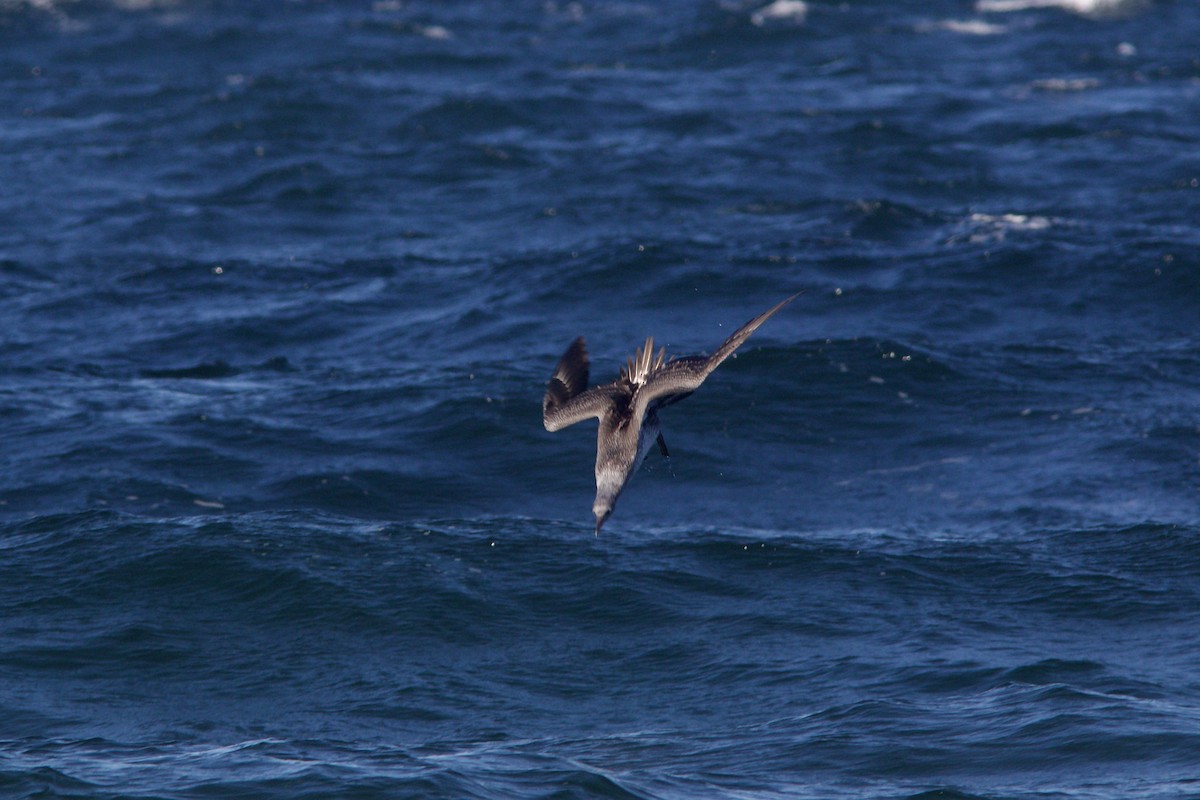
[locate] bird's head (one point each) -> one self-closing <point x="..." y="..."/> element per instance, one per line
<point x="602" y="516"/>
<point x="609" y="483"/>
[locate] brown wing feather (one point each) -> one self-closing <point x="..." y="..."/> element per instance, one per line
<point x="592" y="404"/>
<point x="570" y="376"/>
<point x="567" y="399"/>
<point x="682" y="376"/>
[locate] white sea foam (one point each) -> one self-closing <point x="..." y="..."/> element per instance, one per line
<point x="434" y="32"/>
<point x="1085" y="7"/>
<point x="785" y="11"/>
<point x="1021" y="222"/>
<point x="1064" y="84"/>
<point x="969" y="27"/>
<point x="983" y="228"/>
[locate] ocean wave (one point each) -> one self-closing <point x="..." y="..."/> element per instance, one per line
<point x="374" y="614"/>
<point x="1084" y="7"/>
<point x="281" y="290"/>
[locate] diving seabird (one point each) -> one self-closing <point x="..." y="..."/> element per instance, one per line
<point x="628" y="407"/>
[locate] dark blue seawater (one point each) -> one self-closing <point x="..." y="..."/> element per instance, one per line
<point x="280" y="288"/>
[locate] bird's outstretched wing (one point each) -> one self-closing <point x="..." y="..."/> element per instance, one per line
<point x="680" y="377"/>
<point x="594" y="403"/>
<point x="568" y="400"/>
<point x="570" y="375"/>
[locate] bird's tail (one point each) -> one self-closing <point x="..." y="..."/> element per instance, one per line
<point x="643" y="362"/>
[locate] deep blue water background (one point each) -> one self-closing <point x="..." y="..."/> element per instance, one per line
<point x="280" y="287"/>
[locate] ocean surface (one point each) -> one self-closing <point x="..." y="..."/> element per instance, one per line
<point x="281" y="284"/>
